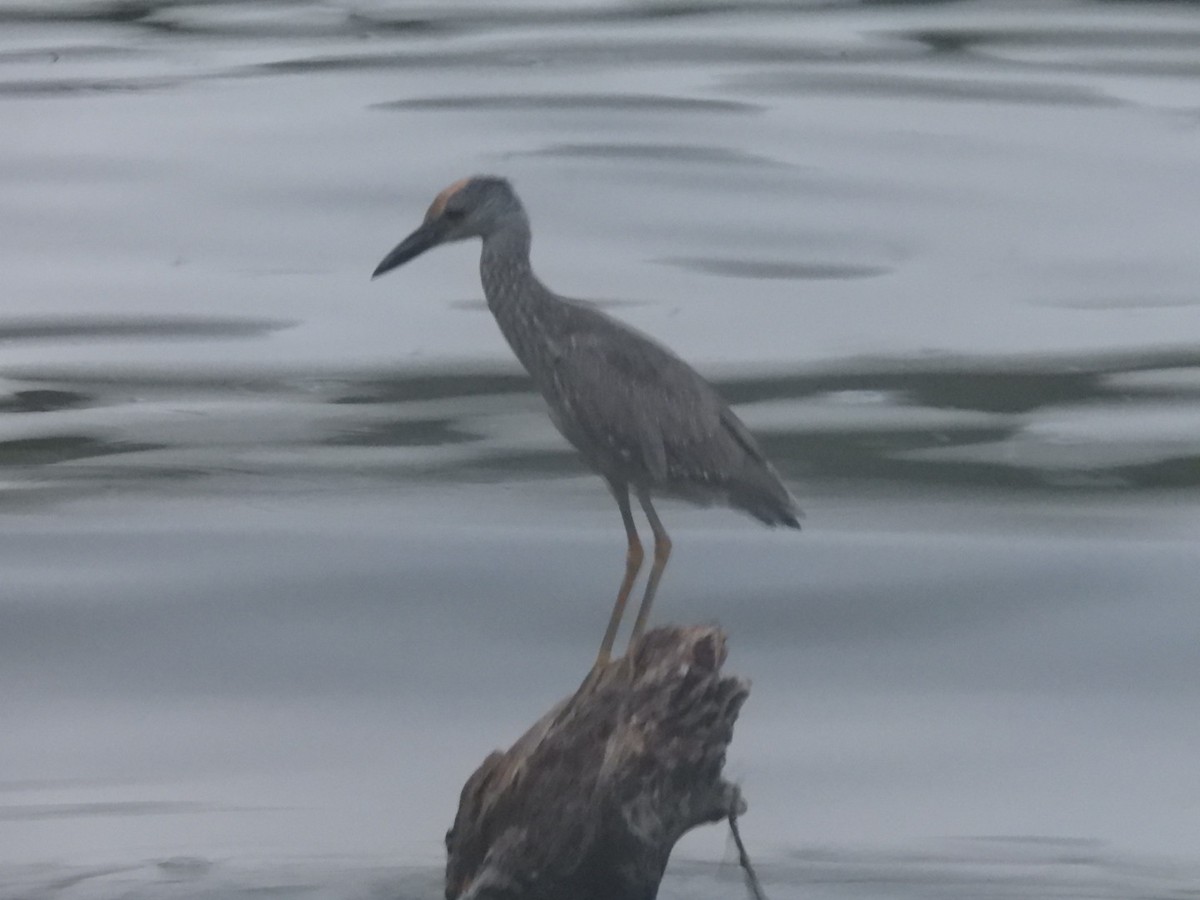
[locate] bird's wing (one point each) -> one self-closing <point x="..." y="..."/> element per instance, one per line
<point x="742" y="435"/>
<point x="628" y="397"/>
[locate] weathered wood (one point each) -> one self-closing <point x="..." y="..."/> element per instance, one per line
<point x="588" y="804"/>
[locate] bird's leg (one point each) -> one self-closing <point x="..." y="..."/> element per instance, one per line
<point x="662" y="550"/>
<point x="633" y="562"/>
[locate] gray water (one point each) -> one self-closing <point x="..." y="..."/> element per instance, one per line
<point x="286" y="552"/>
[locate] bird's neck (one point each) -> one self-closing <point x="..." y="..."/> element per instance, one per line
<point x="524" y="308"/>
<point x="504" y="265"/>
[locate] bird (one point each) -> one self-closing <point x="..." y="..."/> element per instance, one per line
<point x="641" y="417"/>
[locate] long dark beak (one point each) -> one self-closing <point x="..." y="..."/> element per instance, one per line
<point x="428" y="235"/>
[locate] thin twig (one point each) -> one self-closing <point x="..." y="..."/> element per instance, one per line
<point x="752" y="882"/>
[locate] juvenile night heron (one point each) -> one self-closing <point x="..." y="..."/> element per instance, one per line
<point x="642" y="418"/>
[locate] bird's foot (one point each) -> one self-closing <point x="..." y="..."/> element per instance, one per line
<point x="634" y="645"/>
<point x="592" y="679"/>
<point x="606" y="669"/>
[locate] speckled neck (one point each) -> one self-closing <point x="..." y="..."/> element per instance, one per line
<point x="504" y="263"/>
<point x="524" y="308"/>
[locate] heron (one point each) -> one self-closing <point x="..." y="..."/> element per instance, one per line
<point x="641" y="417"/>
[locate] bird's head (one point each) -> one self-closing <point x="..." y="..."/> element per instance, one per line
<point x="472" y="207"/>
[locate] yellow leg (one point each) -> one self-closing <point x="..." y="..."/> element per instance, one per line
<point x="633" y="562"/>
<point x="662" y="551"/>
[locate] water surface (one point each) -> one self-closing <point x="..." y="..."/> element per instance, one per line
<point x="286" y="552"/>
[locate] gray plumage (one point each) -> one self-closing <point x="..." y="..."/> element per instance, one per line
<point x="640" y="416"/>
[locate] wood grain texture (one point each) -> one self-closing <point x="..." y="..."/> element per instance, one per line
<point x="590" y="801"/>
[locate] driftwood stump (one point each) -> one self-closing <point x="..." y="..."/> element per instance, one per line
<point x="588" y="804"/>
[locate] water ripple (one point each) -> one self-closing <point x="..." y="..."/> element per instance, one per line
<point x="776" y="269"/>
<point x="580" y="102"/>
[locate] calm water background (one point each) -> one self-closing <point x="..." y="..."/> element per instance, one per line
<point x="285" y="552"/>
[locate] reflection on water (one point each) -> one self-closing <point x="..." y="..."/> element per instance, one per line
<point x="967" y="423"/>
<point x="1046" y="868"/>
<point x="741" y="268"/>
<point x="624" y="103"/>
<point x="947" y="89"/>
<point x="286" y="552"/>
<point x="109" y="327"/>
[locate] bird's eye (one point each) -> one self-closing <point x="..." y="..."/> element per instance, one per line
<point x="454" y="215"/>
